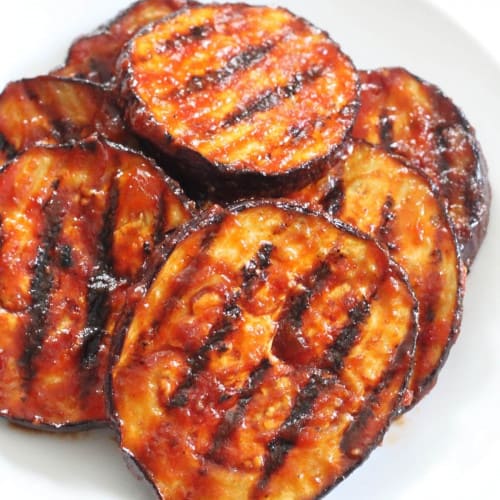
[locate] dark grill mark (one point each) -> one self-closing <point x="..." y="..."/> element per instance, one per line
<point x="101" y="283"/>
<point x="288" y="434"/>
<point x="198" y="362"/>
<point x="183" y="39"/>
<point x="233" y="418"/>
<point x="385" y="130"/>
<point x="272" y="98"/>
<point x="289" y="344"/>
<point x="444" y="168"/>
<point x="65" y="256"/>
<point x="333" y="200"/>
<point x="335" y="354"/>
<point x="7" y="147"/>
<point x="255" y="269"/>
<point x="239" y="62"/>
<point x="41" y="285"/>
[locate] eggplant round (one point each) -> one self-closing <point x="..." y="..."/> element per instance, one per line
<point x="267" y="357"/>
<point x="77" y="224"/>
<point x="247" y="99"/>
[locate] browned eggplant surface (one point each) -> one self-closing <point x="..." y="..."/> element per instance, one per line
<point x="248" y="97"/>
<point x="52" y="110"/>
<point x="93" y="57"/>
<point x="414" y="119"/>
<point x="379" y="194"/>
<point x="76" y="224"/>
<point x="266" y="358"/>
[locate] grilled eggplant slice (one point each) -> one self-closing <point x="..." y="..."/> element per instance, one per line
<point x="93" y="57"/>
<point x="266" y="358"/>
<point x="414" y="119"/>
<point x="52" y="110"/>
<point x="247" y="99"/>
<point x="76" y="224"/>
<point x="381" y="195"/>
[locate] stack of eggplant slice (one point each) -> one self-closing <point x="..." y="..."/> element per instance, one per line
<point x="260" y="346"/>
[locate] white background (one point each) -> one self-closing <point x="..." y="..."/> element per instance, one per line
<point x="447" y="447"/>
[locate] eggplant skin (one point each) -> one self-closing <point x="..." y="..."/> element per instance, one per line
<point x="93" y="57"/>
<point x="393" y="201"/>
<point x="267" y="357"/>
<point x="414" y="119"/>
<point x="77" y="223"/>
<point x="247" y="99"/>
<point x="50" y="110"/>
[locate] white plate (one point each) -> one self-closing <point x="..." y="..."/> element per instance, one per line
<point x="447" y="447"/>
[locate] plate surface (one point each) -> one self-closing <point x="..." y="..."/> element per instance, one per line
<point x="447" y="447"/>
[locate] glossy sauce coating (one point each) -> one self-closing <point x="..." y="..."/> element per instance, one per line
<point x="231" y="89"/>
<point x="379" y="194"/>
<point x="266" y="359"/>
<point x="93" y="57"/>
<point x="76" y="226"/>
<point x="414" y="119"/>
<point x="49" y="110"/>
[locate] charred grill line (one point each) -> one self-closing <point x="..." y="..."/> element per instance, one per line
<point x="385" y="130"/>
<point x="289" y="431"/>
<point x="65" y="256"/>
<point x="41" y="286"/>
<point x="99" y="287"/>
<point x="232" y="419"/>
<point x="255" y="269"/>
<point x="239" y="62"/>
<point x="62" y="129"/>
<point x="443" y="163"/>
<point x="272" y="98"/>
<point x="289" y="341"/>
<point x="198" y="362"/>
<point x="182" y="39"/>
<point x="7" y="148"/>
<point x="333" y="200"/>
<point x="334" y="357"/>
